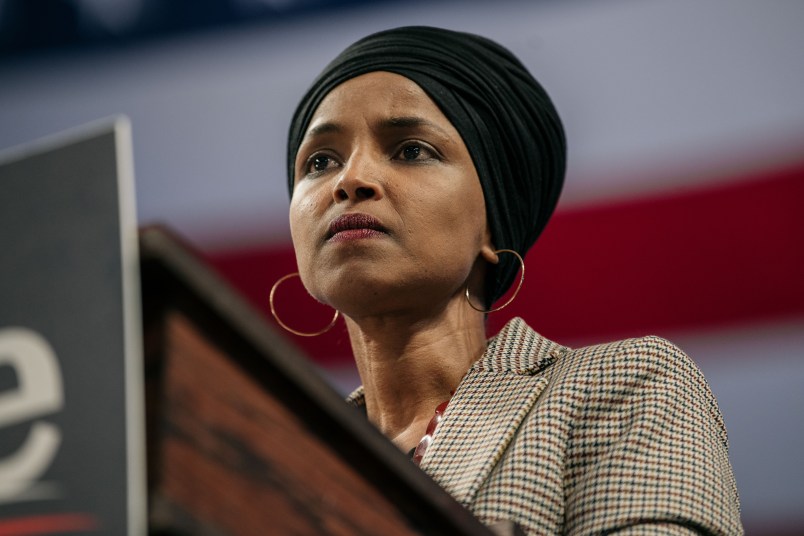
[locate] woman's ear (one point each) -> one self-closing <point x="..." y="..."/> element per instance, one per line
<point x="488" y="254"/>
<point x="487" y="249"/>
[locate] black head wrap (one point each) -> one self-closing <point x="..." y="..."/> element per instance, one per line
<point x="506" y="120"/>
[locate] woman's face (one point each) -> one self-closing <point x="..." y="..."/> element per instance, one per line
<point x="387" y="210"/>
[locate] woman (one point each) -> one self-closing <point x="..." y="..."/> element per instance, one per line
<point x="422" y="164"/>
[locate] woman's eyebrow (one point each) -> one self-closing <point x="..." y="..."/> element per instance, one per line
<point x="323" y="128"/>
<point x="391" y="123"/>
<point x="411" y="122"/>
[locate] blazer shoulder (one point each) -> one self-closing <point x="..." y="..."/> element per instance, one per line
<point x="634" y="354"/>
<point x="632" y="365"/>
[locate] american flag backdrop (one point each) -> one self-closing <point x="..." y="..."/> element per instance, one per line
<point x="682" y="212"/>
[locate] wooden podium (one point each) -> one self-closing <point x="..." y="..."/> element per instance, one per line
<point x="244" y="437"/>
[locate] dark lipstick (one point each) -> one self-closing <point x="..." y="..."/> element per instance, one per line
<point x="354" y="226"/>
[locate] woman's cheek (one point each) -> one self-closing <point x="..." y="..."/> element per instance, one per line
<point x="303" y="209"/>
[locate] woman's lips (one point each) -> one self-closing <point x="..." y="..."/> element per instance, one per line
<point x="354" y="227"/>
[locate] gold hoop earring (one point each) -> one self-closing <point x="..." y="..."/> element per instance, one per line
<point x="285" y="326"/>
<point x="519" y="286"/>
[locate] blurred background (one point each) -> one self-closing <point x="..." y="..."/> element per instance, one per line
<point x="681" y="216"/>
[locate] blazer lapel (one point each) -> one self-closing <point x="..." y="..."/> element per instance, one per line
<point x="487" y="409"/>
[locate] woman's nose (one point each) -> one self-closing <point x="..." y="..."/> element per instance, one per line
<point x="359" y="181"/>
<point x="344" y="193"/>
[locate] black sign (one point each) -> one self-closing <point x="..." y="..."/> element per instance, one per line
<point x="71" y="416"/>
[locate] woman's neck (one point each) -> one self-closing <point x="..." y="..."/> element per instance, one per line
<point x="410" y="364"/>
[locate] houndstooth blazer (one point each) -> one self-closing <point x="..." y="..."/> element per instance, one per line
<point x="623" y="438"/>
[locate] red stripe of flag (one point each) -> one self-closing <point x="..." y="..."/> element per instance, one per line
<point x="719" y="255"/>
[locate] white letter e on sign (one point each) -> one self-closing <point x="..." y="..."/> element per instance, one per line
<point x="38" y="393"/>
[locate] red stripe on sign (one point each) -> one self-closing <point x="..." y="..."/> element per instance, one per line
<point x="48" y="524"/>
<point x="701" y="258"/>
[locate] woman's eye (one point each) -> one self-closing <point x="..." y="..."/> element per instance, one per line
<point x="415" y="151"/>
<point x="411" y="152"/>
<point x="319" y="163"/>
